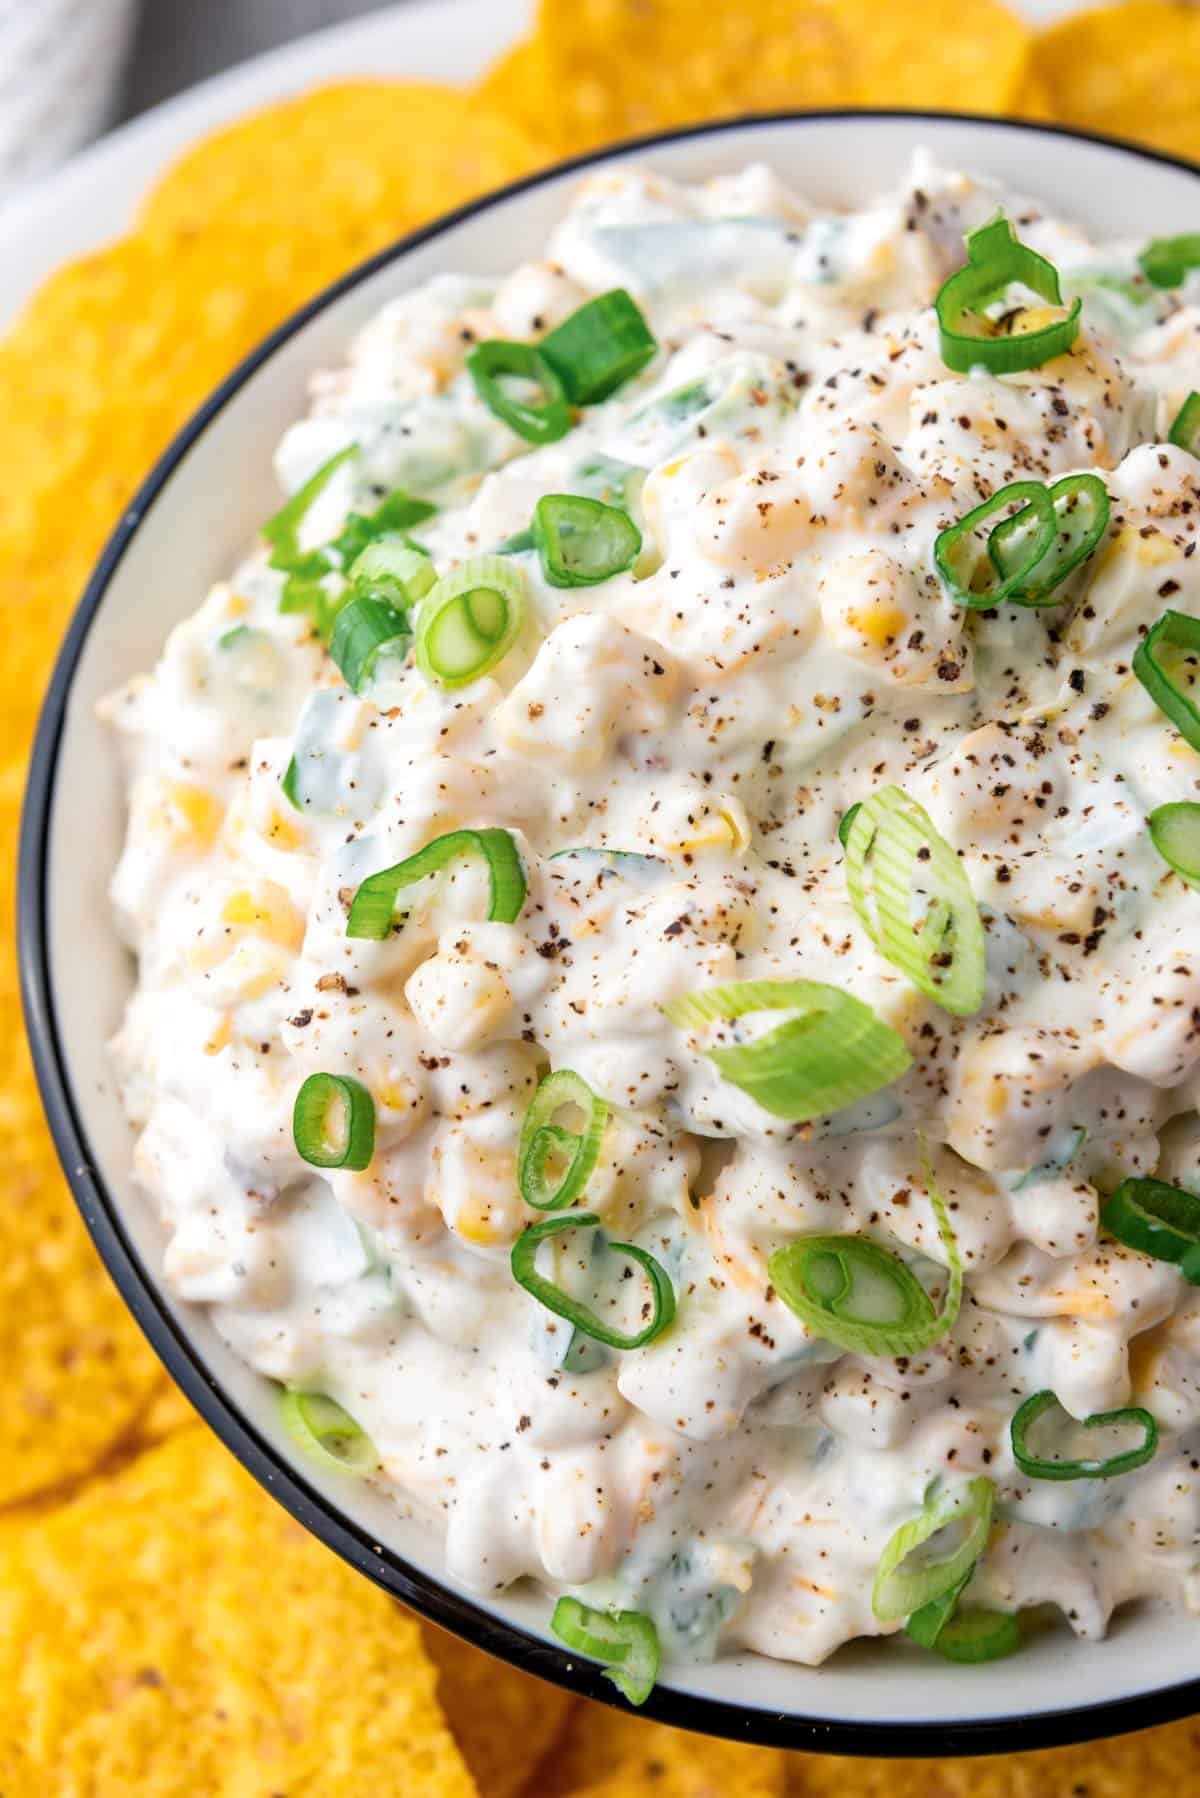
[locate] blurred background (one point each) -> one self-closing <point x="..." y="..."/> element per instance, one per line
<point x="176" y="42"/>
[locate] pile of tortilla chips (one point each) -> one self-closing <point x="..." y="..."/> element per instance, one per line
<point x="164" y="1628"/>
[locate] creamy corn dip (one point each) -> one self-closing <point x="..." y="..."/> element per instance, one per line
<point x="774" y="640"/>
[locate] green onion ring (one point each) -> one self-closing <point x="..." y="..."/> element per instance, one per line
<point x="1175" y="833"/>
<point x="373" y="908"/>
<point x="995" y="260"/>
<point x="404" y="572"/>
<point x="523" y="1262"/>
<point x="1040" y="1467"/>
<point x="541" y="1138"/>
<point x="832" y="1054"/>
<point x="582" y="542"/>
<point x="816" y="1276"/>
<point x="1158" y="1220"/>
<point x="320" y="1427"/>
<point x="490" y="361"/>
<point x="892" y="841"/>
<point x="1081" y="511"/>
<point x="333" y="1122"/>
<point x="362" y="628"/>
<point x="1033" y="498"/>
<point x="905" y="1581"/>
<point x="1183" y="632"/>
<point x="469" y="620"/>
<point x="626" y="1640"/>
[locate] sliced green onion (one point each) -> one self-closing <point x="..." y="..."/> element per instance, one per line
<point x="304" y="590"/>
<point x="1175" y="833"/>
<point x="892" y="852"/>
<point x="516" y="545"/>
<point x="926" y="1625"/>
<point x="491" y="362"/>
<point x="907" y="1578"/>
<point x="833" y="1053"/>
<point x="524" y="1269"/>
<point x="1081" y="512"/>
<point x="995" y="261"/>
<point x="289" y="786"/>
<point x="861" y="1297"/>
<point x="582" y="542"/>
<point x="1157" y="1220"/>
<point x="626" y="1641"/>
<point x="1042" y="1467"/>
<point x="1185" y="431"/>
<point x="333" y="1122"/>
<point x="323" y="1430"/>
<point x="1181" y="632"/>
<point x="469" y="621"/>
<point x="363" y="627"/>
<point x="977" y="1633"/>
<point x="1165" y="261"/>
<point x="392" y="562"/>
<point x="600" y="347"/>
<point x="282" y="531"/>
<point x="846" y="822"/>
<point x="398" y="512"/>
<point x="972" y="578"/>
<point x="373" y="908"/>
<point x="543" y="1141"/>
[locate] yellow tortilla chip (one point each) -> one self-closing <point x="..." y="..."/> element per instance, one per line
<point x="166" y="1413"/>
<point x="609" y="69"/>
<point x="617" y="1754"/>
<point x="172" y="1631"/>
<point x="77" y="1367"/>
<point x="519" y="87"/>
<point x="1156" y="1762"/>
<point x="1033" y="101"/>
<point x="1131" y="70"/>
<point x="359" y="163"/>
<point x="504" y="1722"/>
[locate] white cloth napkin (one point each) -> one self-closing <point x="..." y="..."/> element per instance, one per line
<point x="61" y="63"/>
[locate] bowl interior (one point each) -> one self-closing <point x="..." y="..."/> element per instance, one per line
<point x="185" y="533"/>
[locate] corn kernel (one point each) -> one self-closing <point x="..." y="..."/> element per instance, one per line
<point x="185" y="814"/>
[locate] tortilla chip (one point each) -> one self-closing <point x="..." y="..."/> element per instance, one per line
<point x="166" y="1413"/>
<point x="78" y="1368"/>
<point x="504" y="1722"/>
<point x="519" y="87"/>
<point x="607" y="1753"/>
<point x="598" y="75"/>
<point x="1131" y="70"/>
<point x="172" y="1631"/>
<point x="1155" y="1763"/>
<point x="1033" y="101"/>
<point x="357" y="164"/>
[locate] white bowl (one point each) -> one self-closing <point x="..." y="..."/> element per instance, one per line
<point x="194" y="515"/>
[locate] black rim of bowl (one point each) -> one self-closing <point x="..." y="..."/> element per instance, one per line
<point x="141" y="1290"/>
